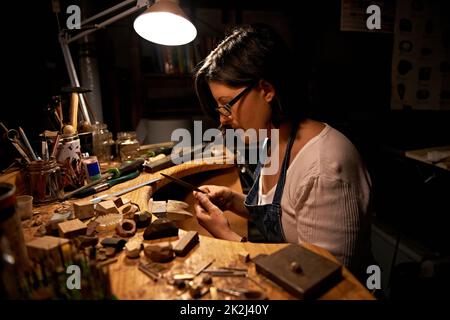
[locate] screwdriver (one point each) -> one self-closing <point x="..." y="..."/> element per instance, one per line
<point x="112" y="173"/>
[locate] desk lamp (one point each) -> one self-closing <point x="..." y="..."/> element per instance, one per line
<point x="163" y="22"/>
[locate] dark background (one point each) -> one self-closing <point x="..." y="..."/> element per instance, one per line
<point x="349" y="76"/>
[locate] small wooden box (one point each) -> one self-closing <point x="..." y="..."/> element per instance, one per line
<point x="317" y="274"/>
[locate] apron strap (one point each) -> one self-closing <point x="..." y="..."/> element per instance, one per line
<point x="282" y="179"/>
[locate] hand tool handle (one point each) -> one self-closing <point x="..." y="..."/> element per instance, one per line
<point x="127" y="168"/>
<point x="74" y="110"/>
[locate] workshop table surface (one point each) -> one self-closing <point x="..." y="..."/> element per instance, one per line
<point x="128" y="282"/>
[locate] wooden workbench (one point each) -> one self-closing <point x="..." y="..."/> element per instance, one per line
<point x="128" y="282"/>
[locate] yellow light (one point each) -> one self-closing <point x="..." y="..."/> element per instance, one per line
<point x="165" y="23"/>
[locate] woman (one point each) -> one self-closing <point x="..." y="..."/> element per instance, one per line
<point x="320" y="193"/>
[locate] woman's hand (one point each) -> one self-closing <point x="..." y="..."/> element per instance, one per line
<point x="222" y="197"/>
<point x="212" y="218"/>
<point x="226" y="199"/>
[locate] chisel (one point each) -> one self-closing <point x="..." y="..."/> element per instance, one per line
<point x="121" y="192"/>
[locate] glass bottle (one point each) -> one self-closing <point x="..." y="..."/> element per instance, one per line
<point x="100" y="137"/>
<point x="127" y="145"/>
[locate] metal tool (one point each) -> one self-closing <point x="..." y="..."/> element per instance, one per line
<point x="203" y="267"/>
<point x="106" y="185"/>
<point x="13" y="136"/>
<point x="112" y="173"/>
<point x="183" y="183"/>
<point x="121" y="192"/>
<point x="27" y="143"/>
<point x="247" y="294"/>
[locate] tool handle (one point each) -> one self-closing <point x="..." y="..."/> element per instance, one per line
<point x="74" y="110"/>
<point x="127" y="168"/>
<point x="106" y="185"/>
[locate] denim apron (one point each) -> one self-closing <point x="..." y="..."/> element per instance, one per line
<point x="267" y="217"/>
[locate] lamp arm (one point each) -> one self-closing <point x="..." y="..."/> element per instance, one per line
<point x="65" y="39"/>
<point x="140" y="4"/>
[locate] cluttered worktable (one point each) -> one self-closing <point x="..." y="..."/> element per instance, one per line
<point x="230" y="263"/>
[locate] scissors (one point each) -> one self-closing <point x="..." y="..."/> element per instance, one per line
<point x="13" y="136"/>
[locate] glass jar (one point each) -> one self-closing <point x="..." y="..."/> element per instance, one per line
<point x="44" y="181"/>
<point x="101" y="140"/>
<point x="127" y="145"/>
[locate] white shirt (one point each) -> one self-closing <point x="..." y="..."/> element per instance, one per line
<point x="326" y="198"/>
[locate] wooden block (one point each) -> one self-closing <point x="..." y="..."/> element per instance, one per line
<point x="160" y="228"/>
<point x="57" y="218"/>
<point x="178" y="215"/>
<point x="72" y="228"/>
<point x="175" y="205"/>
<point x="312" y="275"/>
<point x="83" y="209"/>
<point x="244" y="256"/>
<point x="186" y="243"/>
<point x="128" y="210"/>
<point x="106" y="207"/>
<point x="133" y="249"/>
<point x="84" y="241"/>
<point x="116" y="243"/>
<point x="159" y="253"/>
<point x="120" y="201"/>
<point x="46" y="246"/>
<point x="142" y="219"/>
<point x="158" y="208"/>
<point x="158" y="165"/>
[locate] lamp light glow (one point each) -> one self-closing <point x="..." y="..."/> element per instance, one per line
<point x="165" y="23"/>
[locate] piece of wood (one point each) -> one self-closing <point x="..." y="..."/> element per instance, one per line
<point x="177" y="210"/>
<point x="83" y="209"/>
<point x="133" y="249"/>
<point x="244" y="256"/>
<point x="160" y="228"/>
<point x="128" y="210"/>
<point x="158" y="208"/>
<point x="186" y="243"/>
<point x="142" y="219"/>
<point x="161" y="254"/>
<point x="74" y="110"/>
<point x="106" y="207"/>
<point x="119" y="201"/>
<point x="299" y="271"/>
<point x="72" y="228"/>
<point x="116" y="243"/>
<point x="52" y="224"/>
<point x="46" y="246"/>
<point x="126" y="228"/>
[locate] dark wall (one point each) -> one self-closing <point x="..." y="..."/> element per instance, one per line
<point x="349" y="73"/>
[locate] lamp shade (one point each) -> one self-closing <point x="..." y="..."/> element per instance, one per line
<point x="165" y="23"/>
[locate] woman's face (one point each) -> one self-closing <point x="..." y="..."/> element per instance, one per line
<point x="251" y="111"/>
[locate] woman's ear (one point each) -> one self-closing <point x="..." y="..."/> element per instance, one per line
<point x="267" y="89"/>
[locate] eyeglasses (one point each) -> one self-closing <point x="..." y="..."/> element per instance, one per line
<point x="225" y="109"/>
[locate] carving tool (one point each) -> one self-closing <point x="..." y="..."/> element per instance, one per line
<point x="121" y="192"/>
<point x="183" y="183"/>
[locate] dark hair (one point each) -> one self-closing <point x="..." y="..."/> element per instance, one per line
<point x="251" y="53"/>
